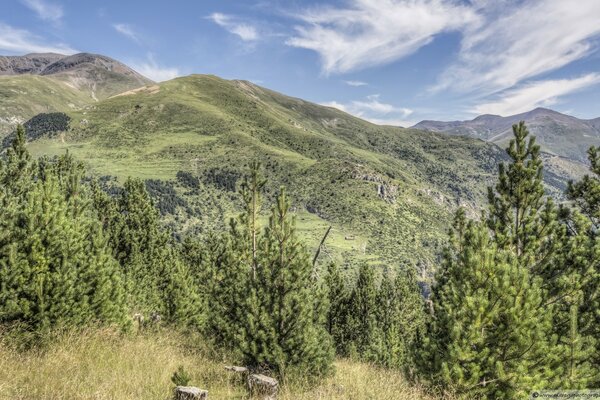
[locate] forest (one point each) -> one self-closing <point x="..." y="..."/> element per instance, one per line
<point x="515" y="304"/>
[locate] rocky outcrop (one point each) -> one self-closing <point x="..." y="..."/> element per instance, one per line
<point x="33" y="63"/>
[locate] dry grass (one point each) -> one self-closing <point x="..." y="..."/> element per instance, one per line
<point x="106" y="365"/>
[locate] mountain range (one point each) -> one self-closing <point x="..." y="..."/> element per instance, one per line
<point x="557" y="134"/>
<point x="388" y="192"/>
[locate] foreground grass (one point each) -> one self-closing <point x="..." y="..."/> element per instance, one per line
<point x="106" y="365"/>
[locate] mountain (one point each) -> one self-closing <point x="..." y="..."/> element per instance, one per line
<point x="36" y="83"/>
<point x="388" y="192"/>
<point x="558" y="134"/>
<point x="33" y="63"/>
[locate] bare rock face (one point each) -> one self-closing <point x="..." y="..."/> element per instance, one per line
<point x="33" y="63"/>
<point x="190" y="393"/>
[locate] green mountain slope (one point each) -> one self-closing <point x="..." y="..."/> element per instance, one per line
<point x="41" y="83"/>
<point x="23" y="96"/>
<point x="388" y="192"/>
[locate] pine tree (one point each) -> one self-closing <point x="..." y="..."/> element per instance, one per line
<point x="282" y="332"/>
<point x="264" y="302"/>
<point x="584" y="255"/>
<point x="156" y="277"/>
<point x="17" y="171"/>
<point x="408" y="318"/>
<point x="363" y="314"/>
<point x="337" y="315"/>
<point x="488" y="337"/>
<point x="525" y="274"/>
<point x="55" y="265"/>
<point x="526" y="222"/>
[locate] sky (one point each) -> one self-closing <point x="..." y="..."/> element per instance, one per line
<point x="392" y="62"/>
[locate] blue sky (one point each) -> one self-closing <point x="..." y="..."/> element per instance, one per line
<point x="389" y="61"/>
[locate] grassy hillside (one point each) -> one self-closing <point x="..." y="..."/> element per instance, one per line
<point x="106" y="365"/>
<point x="388" y="192"/>
<point x="23" y="96"/>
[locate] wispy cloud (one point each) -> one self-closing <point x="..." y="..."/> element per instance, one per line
<point x="521" y="41"/>
<point x="535" y="94"/>
<point x="244" y="30"/>
<point x="20" y="41"/>
<point x="367" y="33"/>
<point x="356" y="83"/>
<point x="128" y="31"/>
<point x="45" y="10"/>
<point x="373" y="110"/>
<point x="151" y="69"/>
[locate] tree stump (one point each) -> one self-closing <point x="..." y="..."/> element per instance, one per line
<point x="263" y="385"/>
<point x="190" y="393"/>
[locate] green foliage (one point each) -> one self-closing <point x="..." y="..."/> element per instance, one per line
<point x="338" y="313"/>
<point x="331" y="163"/>
<point x="583" y="254"/>
<point x="400" y="319"/>
<point x="56" y="266"/>
<point x="376" y="324"/>
<point x="181" y="377"/>
<point x="509" y="301"/>
<point x="156" y="278"/>
<point x="488" y="337"/>
<point x="265" y="302"/>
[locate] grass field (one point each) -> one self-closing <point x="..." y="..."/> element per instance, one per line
<point x="102" y="364"/>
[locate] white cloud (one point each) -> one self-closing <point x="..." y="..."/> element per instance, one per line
<point x="356" y="83"/>
<point x="20" y="41"/>
<point x="245" y="31"/>
<point x="521" y="41"/>
<point x="375" y="32"/>
<point x="373" y="110"/>
<point x="535" y="94"/>
<point x="44" y="10"/>
<point x="128" y="31"/>
<point x="152" y="70"/>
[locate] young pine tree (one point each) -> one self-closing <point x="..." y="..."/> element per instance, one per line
<point x="584" y="254"/>
<point x="401" y="318"/>
<point x="488" y="338"/>
<point x="526" y="222"/>
<point x="282" y="332"/>
<point x="55" y="264"/>
<point x="156" y="278"/>
<point x="264" y="302"/>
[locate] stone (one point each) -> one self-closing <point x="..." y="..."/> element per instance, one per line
<point x="263" y="385"/>
<point x="190" y="393"/>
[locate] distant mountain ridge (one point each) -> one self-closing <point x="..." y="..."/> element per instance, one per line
<point x="97" y="75"/>
<point x="33" y="63"/>
<point x="49" y="82"/>
<point x="557" y="133"/>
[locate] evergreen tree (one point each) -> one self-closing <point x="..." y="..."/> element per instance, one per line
<point x="527" y="273"/>
<point x="282" y="332"/>
<point x="337" y="315"/>
<point x="584" y="254"/>
<point x="406" y="318"/>
<point x="264" y="302"/>
<point x="363" y="313"/>
<point x="156" y="278"/>
<point x="55" y="265"/>
<point x="488" y="338"/>
<point x="527" y="223"/>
